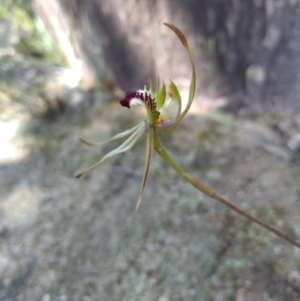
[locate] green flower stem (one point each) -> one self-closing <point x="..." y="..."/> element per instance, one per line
<point x="202" y="187"/>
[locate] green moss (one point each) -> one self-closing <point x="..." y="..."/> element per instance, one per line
<point x="271" y="118"/>
<point x="206" y="133"/>
<point x="33" y="39"/>
<point x="39" y="45"/>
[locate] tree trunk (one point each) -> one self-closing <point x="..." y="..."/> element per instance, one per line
<point x="257" y="43"/>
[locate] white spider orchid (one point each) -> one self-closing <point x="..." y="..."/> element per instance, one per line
<point x="153" y="102"/>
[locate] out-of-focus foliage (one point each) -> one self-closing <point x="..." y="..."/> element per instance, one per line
<point x="30" y="36"/>
<point x="29" y="59"/>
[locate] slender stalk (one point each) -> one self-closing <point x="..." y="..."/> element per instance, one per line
<point x="205" y="189"/>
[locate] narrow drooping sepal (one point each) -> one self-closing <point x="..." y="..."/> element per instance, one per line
<point x="118" y="136"/>
<point x="124" y="147"/>
<point x="149" y="154"/>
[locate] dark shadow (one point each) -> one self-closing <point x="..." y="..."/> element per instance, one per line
<point x="121" y="59"/>
<point x="237" y="27"/>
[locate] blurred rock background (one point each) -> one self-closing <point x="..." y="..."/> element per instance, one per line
<point x="64" y="65"/>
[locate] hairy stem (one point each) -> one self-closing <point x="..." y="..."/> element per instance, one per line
<point x="205" y="189"/>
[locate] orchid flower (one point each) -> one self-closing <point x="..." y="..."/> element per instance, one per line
<point x="155" y="103"/>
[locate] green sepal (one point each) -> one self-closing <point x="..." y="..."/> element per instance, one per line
<point x="160" y="97"/>
<point x="150" y="87"/>
<point x="118" y="136"/>
<point x="192" y="88"/>
<point x="175" y="96"/>
<point x="124" y="147"/>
